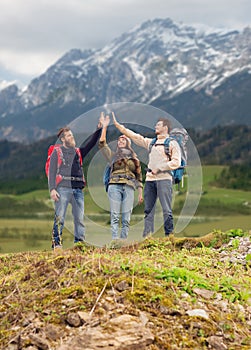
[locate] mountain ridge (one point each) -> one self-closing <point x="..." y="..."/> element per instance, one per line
<point x="158" y="62"/>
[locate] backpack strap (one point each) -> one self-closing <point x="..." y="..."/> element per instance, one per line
<point x="79" y="155"/>
<point x="60" y="160"/>
<point x="60" y="157"/>
<point x="165" y="144"/>
<point x="151" y="144"/>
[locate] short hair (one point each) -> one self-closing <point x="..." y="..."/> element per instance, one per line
<point x="62" y="131"/>
<point x="166" y="122"/>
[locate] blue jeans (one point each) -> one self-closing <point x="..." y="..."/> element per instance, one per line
<point x="161" y="189"/>
<point x="75" y="197"/>
<point x="121" y="199"/>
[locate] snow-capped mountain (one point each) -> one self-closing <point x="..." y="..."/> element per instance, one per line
<point x="157" y="62"/>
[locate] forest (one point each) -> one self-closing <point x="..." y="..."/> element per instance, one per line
<point x="22" y="165"/>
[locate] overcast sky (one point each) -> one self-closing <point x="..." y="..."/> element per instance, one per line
<point x="35" y="33"/>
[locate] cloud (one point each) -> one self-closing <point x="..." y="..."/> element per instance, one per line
<point x="28" y="63"/>
<point x="37" y="33"/>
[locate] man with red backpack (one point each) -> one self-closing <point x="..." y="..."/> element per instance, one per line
<point x="66" y="182"/>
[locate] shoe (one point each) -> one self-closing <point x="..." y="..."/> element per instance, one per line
<point x="58" y="248"/>
<point x="117" y="243"/>
<point x="80" y="244"/>
<point x="171" y="234"/>
<point x="147" y="235"/>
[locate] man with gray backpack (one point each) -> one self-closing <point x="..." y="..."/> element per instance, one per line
<point x="164" y="159"/>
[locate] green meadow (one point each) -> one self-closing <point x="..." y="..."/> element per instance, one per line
<point x="26" y="220"/>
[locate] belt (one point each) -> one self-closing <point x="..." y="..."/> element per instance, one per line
<point x="159" y="171"/>
<point x="122" y="177"/>
<point x="72" y="178"/>
<point x="164" y="171"/>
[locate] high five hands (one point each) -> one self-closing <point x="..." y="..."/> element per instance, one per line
<point x="115" y="122"/>
<point x="104" y="120"/>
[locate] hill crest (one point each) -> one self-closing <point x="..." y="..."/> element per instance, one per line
<point x="194" y="292"/>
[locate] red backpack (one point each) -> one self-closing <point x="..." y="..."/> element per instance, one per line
<point x="57" y="147"/>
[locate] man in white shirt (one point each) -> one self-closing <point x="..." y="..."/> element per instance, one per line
<point x="158" y="178"/>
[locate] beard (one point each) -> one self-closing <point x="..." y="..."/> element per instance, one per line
<point x="70" y="144"/>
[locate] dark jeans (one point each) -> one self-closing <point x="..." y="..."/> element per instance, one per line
<point x="161" y="189"/>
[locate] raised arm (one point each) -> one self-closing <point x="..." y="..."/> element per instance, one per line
<point x="105" y="122"/>
<point x="136" y="138"/>
<point x="105" y="149"/>
<point x="85" y="149"/>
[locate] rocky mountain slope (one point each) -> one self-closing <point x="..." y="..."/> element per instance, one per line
<point x="201" y="76"/>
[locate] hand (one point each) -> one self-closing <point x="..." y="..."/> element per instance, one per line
<point x="140" y="198"/>
<point x="106" y="121"/>
<point x="101" y="120"/>
<point x="54" y="195"/>
<point x="155" y="171"/>
<point x="115" y="122"/>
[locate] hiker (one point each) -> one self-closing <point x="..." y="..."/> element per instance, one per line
<point x="158" y="182"/>
<point x="69" y="187"/>
<point x="125" y="177"/>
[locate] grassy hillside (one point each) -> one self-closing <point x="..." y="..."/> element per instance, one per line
<point x="175" y="293"/>
<point x="159" y="294"/>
